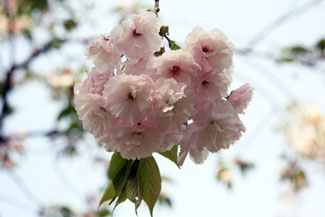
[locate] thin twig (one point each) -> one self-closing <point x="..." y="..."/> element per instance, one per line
<point x="24" y="188"/>
<point x="156" y="8"/>
<point x="10" y="72"/>
<point x="9" y="199"/>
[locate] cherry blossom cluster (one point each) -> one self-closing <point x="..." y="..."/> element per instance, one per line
<point x="138" y="103"/>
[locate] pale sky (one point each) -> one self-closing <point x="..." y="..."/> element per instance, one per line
<point x="195" y="191"/>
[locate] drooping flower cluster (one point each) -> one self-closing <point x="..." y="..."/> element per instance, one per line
<point x="137" y="103"/>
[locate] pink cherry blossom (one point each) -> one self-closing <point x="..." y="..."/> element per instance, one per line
<point x="188" y="146"/>
<point x="139" y="36"/>
<point x="91" y="110"/>
<point x="240" y="98"/>
<point x="98" y="79"/>
<point x="215" y="127"/>
<point x="139" y="66"/>
<point x="168" y="92"/>
<point x="178" y="64"/>
<point x="134" y="142"/>
<point x="213" y="85"/>
<point x="211" y="50"/>
<point x="103" y="54"/>
<point x="129" y="96"/>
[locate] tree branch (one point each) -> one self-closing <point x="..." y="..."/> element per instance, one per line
<point x="10" y="73"/>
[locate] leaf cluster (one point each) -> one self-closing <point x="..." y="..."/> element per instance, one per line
<point x="136" y="181"/>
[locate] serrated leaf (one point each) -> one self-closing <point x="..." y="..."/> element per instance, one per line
<point x="171" y="154"/>
<point x="121" y="198"/>
<point x="150" y="181"/>
<point x="109" y="194"/>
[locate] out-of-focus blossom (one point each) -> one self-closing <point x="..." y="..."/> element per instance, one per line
<point x="306" y="131"/>
<point x="60" y="78"/>
<point x="17" y="25"/>
<point x="9" y="150"/>
<point x="295" y="175"/>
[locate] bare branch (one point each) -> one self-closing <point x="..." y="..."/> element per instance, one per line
<point x="10" y="72"/>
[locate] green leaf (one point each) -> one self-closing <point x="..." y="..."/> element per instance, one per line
<point x="104" y="213"/>
<point x="109" y="194"/>
<point x="172" y="45"/>
<point x="150" y="181"/>
<point x="122" y="197"/>
<point x="171" y="154"/>
<point x="116" y="164"/>
<point x="118" y="172"/>
<point x="132" y="185"/>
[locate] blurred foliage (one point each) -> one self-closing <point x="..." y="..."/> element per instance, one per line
<point x="27" y="7"/>
<point x="164" y="200"/>
<point x="294" y="175"/>
<point x="309" y="56"/>
<point x="227" y="170"/>
<point x="70" y="24"/>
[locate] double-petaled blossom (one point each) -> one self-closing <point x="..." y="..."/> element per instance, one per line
<point x="138" y="36"/>
<point x="91" y="110"/>
<point x="129" y="97"/>
<point x="240" y="98"/>
<point x="103" y="54"/>
<point x="215" y="126"/>
<point x="211" y="50"/>
<point x="178" y="64"/>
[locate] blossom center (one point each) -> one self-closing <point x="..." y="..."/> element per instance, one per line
<point x="130" y="96"/>
<point x="135" y="33"/>
<point x="205" y="83"/>
<point x="216" y="127"/>
<point x="205" y="49"/>
<point x="175" y="70"/>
